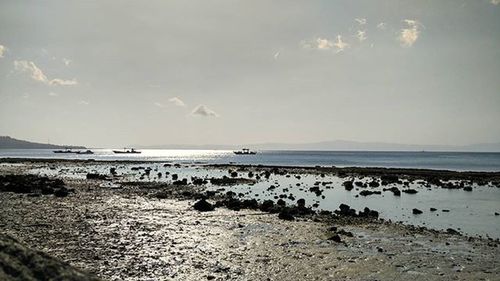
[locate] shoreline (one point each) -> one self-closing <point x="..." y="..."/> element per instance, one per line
<point x="97" y="229"/>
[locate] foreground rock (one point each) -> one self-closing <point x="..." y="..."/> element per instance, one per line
<point x="20" y="263"/>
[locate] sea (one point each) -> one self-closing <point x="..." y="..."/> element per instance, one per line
<point x="456" y="161"/>
<point x="472" y="213"/>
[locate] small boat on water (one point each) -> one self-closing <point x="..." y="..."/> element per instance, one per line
<point x="245" y="151"/>
<point x="88" y="151"/>
<point x="65" y="151"/>
<point x="127" y="151"/>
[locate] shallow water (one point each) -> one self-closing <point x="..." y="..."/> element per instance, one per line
<point x="473" y="213"/>
<point x="458" y="161"/>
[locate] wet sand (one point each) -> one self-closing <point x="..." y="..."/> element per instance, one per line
<point x="129" y="233"/>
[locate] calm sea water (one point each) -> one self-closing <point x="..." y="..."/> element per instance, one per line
<point x="458" y="161"/>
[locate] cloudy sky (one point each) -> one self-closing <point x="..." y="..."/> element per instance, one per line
<point x="113" y="73"/>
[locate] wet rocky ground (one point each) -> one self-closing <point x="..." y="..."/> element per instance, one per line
<point x="150" y="231"/>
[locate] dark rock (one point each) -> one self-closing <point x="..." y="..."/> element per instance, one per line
<point x="410" y="191"/>
<point x="336" y="238"/>
<point x="61" y="192"/>
<point x="348" y="185"/>
<point x="203" y="206"/>
<point x="281" y="202"/>
<point x="96" y="176"/>
<point x="301" y="203"/>
<point x="433" y="209"/>
<point x="468" y="188"/>
<point x="286" y="215"/>
<point x="417" y="211"/>
<point x="452" y="231"/>
<point x="267" y="206"/>
<point x="18" y="262"/>
<point x="369" y="192"/>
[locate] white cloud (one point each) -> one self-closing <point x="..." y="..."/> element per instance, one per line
<point x="361" y="35"/>
<point x="177" y="101"/>
<point x="495" y="2"/>
<point x="82" y="102"/>
<point x="202" y="110"/>
<point x="3" y="49"/>
<point x="38" y="75"/>
<point x="318" y="44"/>
<point x="382" y="26"/>
<point x="340" y="44"/>
<point x="66" y="61"/>
<point x="160" y="105"/>
<point x="361" y="21"/>
<point x="52" y="94"/>
<point x="276" y="55"/>
<point x="408" y="36"/>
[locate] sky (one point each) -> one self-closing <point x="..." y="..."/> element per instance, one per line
<point x="120" y="72"/>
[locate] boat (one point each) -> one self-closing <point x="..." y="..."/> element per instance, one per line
<point x="65" y="151"/>
<point x="127" y="151"/>
<point x="88" y="151"/>
<point x="245" y="151"/>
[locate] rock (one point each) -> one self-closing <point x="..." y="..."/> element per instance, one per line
<point x="410" y="191"/>
<point x="301" y="203"/>
<point x="417" y="211"/>
<point x="18" y="262"/>
<point x="497" y="214"/>
<point x="267" y="206"/>
<point x="96" y="176"/>
<point x="336" y="238"/>
<point x="452" y="231"/>
<point x="61" y="192"/>
<point x="281" y="202"/>
<point x="468" y="188"/>
<point x="369" y="192"/>
<point x="433" y="209"/>
<point x="394" y="190"/>
<point x="203" y="206"/>
<point x="348" y="185"/>
<point x="286" y="215"/>
<point x="345" y="233"/>
<point x="374" y="184"/>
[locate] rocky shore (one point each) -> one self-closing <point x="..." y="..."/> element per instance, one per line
<point x="118" y="229"/>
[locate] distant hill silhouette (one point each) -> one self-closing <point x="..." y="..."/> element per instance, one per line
<point x="7" y="142"/>
<point x="342" y="145"/>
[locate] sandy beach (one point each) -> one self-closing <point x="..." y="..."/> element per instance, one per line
<point x="120" y="230"/>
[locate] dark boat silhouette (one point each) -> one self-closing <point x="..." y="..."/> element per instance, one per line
<point x="127" y="151"/>
<point x="65" y="151"/>
<point x="245" y="151"/>
<point x="88" y="151"/>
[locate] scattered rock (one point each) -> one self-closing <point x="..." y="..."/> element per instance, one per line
<point x="417" y="211"/>
<point x="203" y="206"/>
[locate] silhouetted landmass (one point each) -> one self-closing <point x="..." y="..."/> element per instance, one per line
<point x="341" y="145"/>
<point x="7" y="142"/>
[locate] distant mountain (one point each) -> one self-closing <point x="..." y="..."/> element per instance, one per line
<point x="342" y="145"/>
<point x="11" y="143"/>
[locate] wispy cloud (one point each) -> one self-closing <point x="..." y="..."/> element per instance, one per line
<point x="203" y="110"/>
<point x="177" y="101"/>
<point x="158" y="104"/>
<point x="318" y="44"/>
<point x="361" y="35"/>
<point x="495" y="2"/>
<point x="276" y="55"/>
<point x="409" y="35"/>
<point x="52" y="94"/>
<point x="340" y="45"/>
<point x="38" y="75"/>
<point x="3" y="49"/>
<point x="83" y="102"/>
<point x="382" y="26"/>
<point x="360" y="21"/>
<point x="67" y="61"/>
